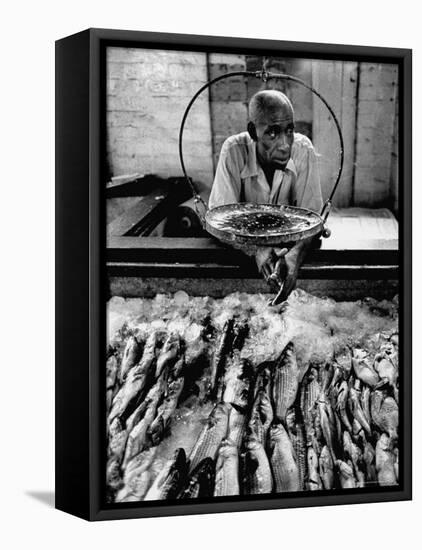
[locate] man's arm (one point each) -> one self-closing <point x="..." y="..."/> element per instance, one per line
<point x="307" y="194"/>
<point x="226" y="185"/>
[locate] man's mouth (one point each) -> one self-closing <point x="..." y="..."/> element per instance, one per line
<point x="281" y="160"/>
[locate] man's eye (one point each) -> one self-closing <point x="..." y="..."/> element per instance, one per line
<point x="272" y="134"/>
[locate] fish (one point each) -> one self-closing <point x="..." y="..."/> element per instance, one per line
<point x="341" y="406"/>
<point x="396" y="463"/>
<point x="261" y="416"/>
<point x="137" y="481"/>
<point x="170" y="480"/>
<point x="346" y="474"/>
<point x="256" y="471"/>
<point x="200" y="483"/>
<point x="263" y="377"/>
<point x="386" y="370"/>
<point x="154" y="395"/>
<point x="360" y="478"/>
<point x="297" y="436"/>
<point x="338" y="376"/>
<point x="178" y="368"/>
<point x="238" y="382"/>
<point x="144" y="458"/>
<point x="385" y="413"/>
<point x="326" y="468"/>
<point x="352" y="452"/>
<point x="237" y="426"/>
<point x="117" y="440"/>
<point x="139" y="484"/>
<point x="227" y="470"/>
<point x="357" y="430"/>
<point x="130" y="357"/>
<point x="219" y="358"/>
<point x="285" y="382"/>
<point x="240" y="333"/>
<point x="114" y="474"/>
<point x="328" y="423"/>
<point x="130" y="394"/>
<point x="384" y="461"/>
<point x="369" y="460"/>
<point x="168" y="353"/>
<point x="363" y="369"/>
<point x="112" y="368"/>
<point x="282" y="459"/>
<point x="357" y="411"/>
<point x="314" y="482"/>
<point x="165" y="411"/>
<point x="211" y="436"/>
<point x="316" y="429"/>
<point x="310" y="391"/>
<point x="327" y="373"/>
<point x="138" y="436"/>
<point x="365" y="399"/>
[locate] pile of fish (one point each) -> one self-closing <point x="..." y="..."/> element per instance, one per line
<point x="273" y="428"/>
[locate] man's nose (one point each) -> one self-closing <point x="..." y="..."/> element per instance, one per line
<point x="283" y="142"/>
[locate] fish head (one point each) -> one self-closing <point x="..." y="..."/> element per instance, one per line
<point x="114" y="473"/>
<point x="220" y="413"/>
<point x="347" y="439"/>
<point x="276" y="429"/>
<point x="251" y="442"/>
<point x="384" y="442"/>
<point x="345" y="468"/>
<point x="291" y="420"/>
<point x="205" y="468"/>
<point x="325" y="455"/>
<point x="228" y="448"/>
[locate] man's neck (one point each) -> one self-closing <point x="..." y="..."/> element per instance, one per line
<point x="268" y="170"/>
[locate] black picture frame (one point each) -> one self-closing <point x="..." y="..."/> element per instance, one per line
<point x="81" y="285"/>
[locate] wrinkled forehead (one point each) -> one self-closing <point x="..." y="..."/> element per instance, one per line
<point x="280" y="114"/>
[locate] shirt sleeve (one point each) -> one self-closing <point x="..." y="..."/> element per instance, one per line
<point x="307" y="191"/>
<point x="227" y="181"/>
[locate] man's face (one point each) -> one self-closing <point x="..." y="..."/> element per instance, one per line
<point x="274" y="132"/>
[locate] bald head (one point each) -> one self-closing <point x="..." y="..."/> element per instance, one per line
<point x="268" y="102"/>
<point x="271" y="126"/>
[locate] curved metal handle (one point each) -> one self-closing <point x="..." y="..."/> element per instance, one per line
<point x="264" y="76"/>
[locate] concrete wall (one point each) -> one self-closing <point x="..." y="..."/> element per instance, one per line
<point x="147" y="93"/>
<point x="375" y="127"/>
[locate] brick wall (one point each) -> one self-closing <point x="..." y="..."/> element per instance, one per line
<point x="147" y="93"/>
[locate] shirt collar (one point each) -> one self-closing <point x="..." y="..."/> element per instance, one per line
<point x="251" y="167"/>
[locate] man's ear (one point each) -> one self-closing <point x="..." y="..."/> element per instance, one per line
<point x="252" y="131"/>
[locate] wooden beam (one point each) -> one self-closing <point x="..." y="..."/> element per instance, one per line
<point x="147" y="210"/>
<point x="336" y="81"/>
<point x="208" y="250"/>
<point x="216" y="271"/>
<point x="375" y="130"/>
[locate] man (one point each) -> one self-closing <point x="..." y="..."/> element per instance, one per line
<point x="270" y="163"/>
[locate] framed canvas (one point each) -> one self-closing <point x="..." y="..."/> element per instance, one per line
<point x="233" y="277"/>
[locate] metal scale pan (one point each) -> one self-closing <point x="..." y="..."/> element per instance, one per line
<point x="247" y="225"/>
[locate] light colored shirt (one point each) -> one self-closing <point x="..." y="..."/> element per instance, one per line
<point x="240" y="178"/>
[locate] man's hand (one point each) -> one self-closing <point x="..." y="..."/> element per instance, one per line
<point x="288" y="269"/>
<point x="291" y="271"/>
<point x="270" y="262"/>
